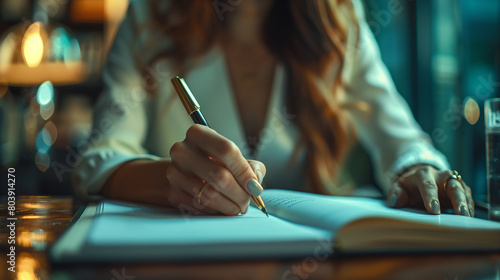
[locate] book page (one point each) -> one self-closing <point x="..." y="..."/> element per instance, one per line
<point x="332" y="213"/>
<point x="119" y="224"/>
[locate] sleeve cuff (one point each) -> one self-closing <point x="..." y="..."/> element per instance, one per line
<point x="96" y="167"/>
<point x="423" y="154"/>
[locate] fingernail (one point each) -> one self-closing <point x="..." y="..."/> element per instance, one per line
<point x="463" y="211"/>
<point x="393" y="199"/>
<point x="435" y="207"/>
<point x="244" y="211"/>
<point x="259" y="176"/>
<point x="471" y="212"/>
<point x="254" y="187"/>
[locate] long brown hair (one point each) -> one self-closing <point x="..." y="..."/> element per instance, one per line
<point x="309" y="38"/>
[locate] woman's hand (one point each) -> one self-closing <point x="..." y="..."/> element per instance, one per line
<point x="209" y="174"/>
<point x="425" y="184"/>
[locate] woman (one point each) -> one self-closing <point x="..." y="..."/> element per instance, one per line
<point x="289" y="84"/>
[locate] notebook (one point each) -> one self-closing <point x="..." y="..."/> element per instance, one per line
<point x="299" y="225"/>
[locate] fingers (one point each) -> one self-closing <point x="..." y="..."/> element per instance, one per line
<point x="428" y="190"/>
<point x="259" y="169"/>
<point x="215" y="145"/>
<point x="206" y="155"/>
<point x="193" y="165"/>
<point x="424" y="184"/>
<point x="397" y="197"/>
<point x="416" y="187"/>
<point x="212" y="198"/>
<point x="180" y="199"/>
<point x="456" y="193"/>
<point x="186" y="188"/>
<point x="470" y="201"/>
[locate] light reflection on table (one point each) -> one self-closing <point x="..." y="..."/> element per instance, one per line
<point x="42" y="219"/>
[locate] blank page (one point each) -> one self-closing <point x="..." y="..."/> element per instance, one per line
<point x="119" y="224"/>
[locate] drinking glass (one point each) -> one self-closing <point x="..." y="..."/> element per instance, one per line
<point x="492" y="124"/>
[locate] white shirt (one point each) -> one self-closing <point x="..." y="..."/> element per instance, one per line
<point x="129" y="124"/>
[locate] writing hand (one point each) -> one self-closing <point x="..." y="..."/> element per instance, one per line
<point x="208" y="172"/>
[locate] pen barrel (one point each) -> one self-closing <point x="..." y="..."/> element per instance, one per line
<point x="198" y="118"/>
<point x="185" y="95"/>
<point x="258" y="201"/>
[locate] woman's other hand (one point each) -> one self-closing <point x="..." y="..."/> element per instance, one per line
<point x="208" y="174"/>
<point x="425" y="184"/>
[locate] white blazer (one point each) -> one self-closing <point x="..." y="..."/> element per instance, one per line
<point x="129" y="124"/>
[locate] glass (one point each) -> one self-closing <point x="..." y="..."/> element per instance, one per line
<point x="492" y="124"/>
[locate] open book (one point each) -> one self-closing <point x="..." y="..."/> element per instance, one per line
<point x="299" y="225"/>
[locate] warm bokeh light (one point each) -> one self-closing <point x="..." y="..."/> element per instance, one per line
<point x="31" y="205"/>
<point x="471" y="111"/>
<point x="30" y="217"/>
<point x="115" y="9"/>
<point x="47" y="139"/>
<point x="49" y="133"/>
<point x="33" y="45"/>
<point x="27" y="267"/>
<point x="36" y="239"/>
<point x="47" y="111"/>
<point x="87" y="11"/>
<point x="7" y="49"/>
<point x="32" y="53"/>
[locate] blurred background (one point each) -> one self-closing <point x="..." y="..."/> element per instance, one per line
<point x="444" y="57"/>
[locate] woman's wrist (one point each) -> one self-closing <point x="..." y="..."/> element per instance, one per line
<point x="139" y="180"/>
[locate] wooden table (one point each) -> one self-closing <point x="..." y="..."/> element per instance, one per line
<point x="41" y="219"/>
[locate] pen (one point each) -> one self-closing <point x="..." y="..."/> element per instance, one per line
<point x="193" y="109"/>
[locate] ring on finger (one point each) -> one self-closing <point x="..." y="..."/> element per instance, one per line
<point x="200" y="193"/>
<point x="454" y="175"/>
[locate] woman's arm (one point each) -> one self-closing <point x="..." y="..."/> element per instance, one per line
<point x="388" y="130"/>
<point x="139" y="180"/>
<point x="121" y="117"/>
<point x="206" y="173"/>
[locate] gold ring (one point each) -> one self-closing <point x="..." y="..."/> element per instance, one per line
<point x="199" y="194"/>
<point x="454" y="175"/>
